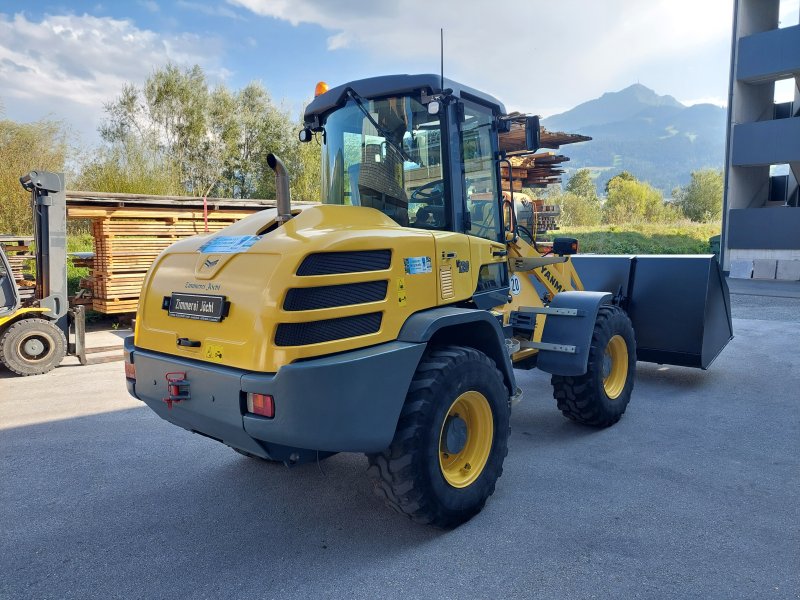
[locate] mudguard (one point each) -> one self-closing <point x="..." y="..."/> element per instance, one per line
<point x="476" y="328"/>
<point x="572" y="331"/>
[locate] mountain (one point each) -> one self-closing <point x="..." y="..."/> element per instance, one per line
<point x="655" y="137"/>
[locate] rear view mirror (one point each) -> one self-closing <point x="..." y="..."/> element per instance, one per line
<point x="532" y="129"/>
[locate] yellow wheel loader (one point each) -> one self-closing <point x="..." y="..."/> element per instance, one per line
<point x="389" y="319"/>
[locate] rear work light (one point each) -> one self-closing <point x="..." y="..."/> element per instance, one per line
<point x="261" y="404"/>
<point x="130" y="371"/>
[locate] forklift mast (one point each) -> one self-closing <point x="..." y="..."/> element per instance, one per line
<point x="49" y="207"/>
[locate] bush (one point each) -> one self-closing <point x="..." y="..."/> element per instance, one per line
<point x="632" y="201"/>
<point x="577" y="210"/>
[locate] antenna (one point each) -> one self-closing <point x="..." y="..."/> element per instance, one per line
<point x="441" y="54"/>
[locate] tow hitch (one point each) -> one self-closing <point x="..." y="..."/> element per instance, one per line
<point x="177" y="388"/>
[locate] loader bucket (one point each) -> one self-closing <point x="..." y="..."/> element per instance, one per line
<point x="679" y="305"/>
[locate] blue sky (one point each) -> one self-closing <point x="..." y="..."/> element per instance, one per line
<point x="65" y="59"/>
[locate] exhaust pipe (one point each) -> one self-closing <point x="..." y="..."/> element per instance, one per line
<point x="281" y="188"/>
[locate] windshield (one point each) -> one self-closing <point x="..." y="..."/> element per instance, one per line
<point x="386" y="154"/>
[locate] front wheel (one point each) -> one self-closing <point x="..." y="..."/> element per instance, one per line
<point x="451" y="439"/>
<point x="600" y="396"/>
<point x="32" y="347"/>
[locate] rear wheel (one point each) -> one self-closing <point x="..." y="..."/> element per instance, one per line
<point x="600" y="396"/>
<point x="451" y="439"/>
<point x="32" y="347"/>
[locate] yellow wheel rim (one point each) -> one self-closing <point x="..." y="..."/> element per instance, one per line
<point x="462" y="467"/>
<point x="615" y="367"/>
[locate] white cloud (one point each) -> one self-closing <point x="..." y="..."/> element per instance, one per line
<point x="69" y="65"/>
<point x="533" y="55"/>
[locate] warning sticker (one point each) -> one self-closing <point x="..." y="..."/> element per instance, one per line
<point x="402" y="298"/>
<point x="229" y="244"/>
<point x="418" y="264"/>
<point x="214" y="352"/>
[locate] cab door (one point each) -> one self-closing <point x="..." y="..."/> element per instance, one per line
<point x="478" y="136"/>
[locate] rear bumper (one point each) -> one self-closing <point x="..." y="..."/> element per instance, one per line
<point x="348" y="402"/>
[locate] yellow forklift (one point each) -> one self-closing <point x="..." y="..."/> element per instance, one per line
<point x="36" y="334"/>
<point x="389" y="319"/>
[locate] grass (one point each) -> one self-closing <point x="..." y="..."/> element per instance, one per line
<point x="651" y="238"/>
<point x="81" y="242"/>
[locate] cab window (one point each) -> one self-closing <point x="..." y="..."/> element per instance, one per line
<point x="480" y="174"/>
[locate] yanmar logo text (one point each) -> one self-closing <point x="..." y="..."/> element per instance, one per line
<point x="552" y="279"/>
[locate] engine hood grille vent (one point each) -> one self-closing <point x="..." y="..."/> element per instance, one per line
<point x="334" y="263"/>
<point x="330" y="296"/>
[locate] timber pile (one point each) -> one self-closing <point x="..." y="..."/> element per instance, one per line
<point x="20" y="256"/>
<point x="534" y="170"/>
<point x="514" y="140"/>
<point x="130" y="231"/>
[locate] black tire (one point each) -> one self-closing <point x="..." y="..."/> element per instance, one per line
<point x="409" y="475"/>
<point x="32" y="347"/>
<point x="585" y="399"/>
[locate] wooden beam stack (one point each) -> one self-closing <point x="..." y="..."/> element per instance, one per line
<point x="19" y="251"/>
<point x="129" y="232"/>
<point x="534" y="170"/>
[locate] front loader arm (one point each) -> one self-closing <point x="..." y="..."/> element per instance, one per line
<point x="556" y="273"/>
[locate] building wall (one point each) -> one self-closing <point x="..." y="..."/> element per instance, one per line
<point x="761" y="216"/>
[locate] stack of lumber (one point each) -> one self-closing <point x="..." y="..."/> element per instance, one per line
<point x="534" y="170"/>
<point x="20" y="256"/>
<point x="514" y="139"/>
<point x="130" y="231"/>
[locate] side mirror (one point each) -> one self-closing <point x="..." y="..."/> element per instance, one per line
<point x="532" y="133"/>
<point x="305" y="135"/>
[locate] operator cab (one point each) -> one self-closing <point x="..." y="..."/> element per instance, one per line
<point x="426" y="157"/>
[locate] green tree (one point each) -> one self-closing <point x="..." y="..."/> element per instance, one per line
<point x="26" y="147"/>
<point x="632" y="201"/>
<point x="701" y="200"/>
<point x="216" y="140"/>
<point x="582" y="184"/>
<point x="623" y="176"/>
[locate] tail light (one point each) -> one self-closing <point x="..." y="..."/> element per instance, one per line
<point x="130" y="371"/>
<point x="261" y="404"/>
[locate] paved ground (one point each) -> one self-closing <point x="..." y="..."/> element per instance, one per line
<point x="694" y="494"/>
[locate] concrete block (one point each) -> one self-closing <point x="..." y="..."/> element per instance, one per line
<point x="764" y="268"/>
<point x="788" y="270"/>
<point x="741" y="269"/>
